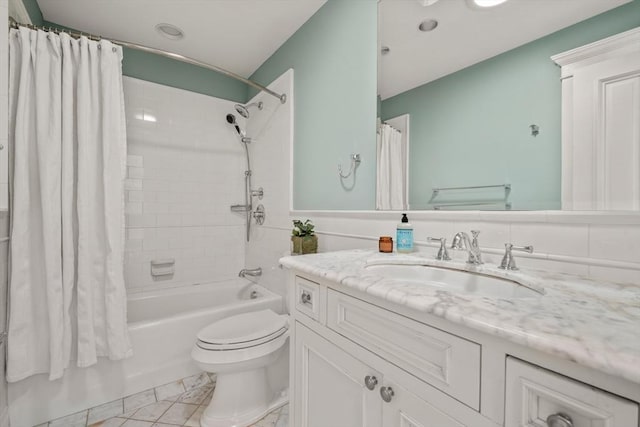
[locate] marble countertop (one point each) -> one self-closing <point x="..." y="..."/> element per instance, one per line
<point x="594" y="324"/>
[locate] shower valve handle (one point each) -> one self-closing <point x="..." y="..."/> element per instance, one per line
<point x="259" y="193"/>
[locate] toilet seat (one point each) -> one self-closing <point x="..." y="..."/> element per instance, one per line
<point x="242" y="331"/>
<point x="240" y="345"/>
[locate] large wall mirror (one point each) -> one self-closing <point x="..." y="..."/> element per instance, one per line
<point x="470" y="100"/>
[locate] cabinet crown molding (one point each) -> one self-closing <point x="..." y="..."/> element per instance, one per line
<point x="628" y="41"/>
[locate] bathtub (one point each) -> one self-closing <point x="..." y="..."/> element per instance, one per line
<point x="162" y="325"/>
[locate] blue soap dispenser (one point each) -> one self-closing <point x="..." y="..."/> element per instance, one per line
<point x="404" y="235"/>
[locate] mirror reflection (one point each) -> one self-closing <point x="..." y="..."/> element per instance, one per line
<point x="470" y="99"/>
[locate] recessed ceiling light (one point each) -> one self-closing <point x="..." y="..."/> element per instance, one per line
<point x="428" y="25"/>
<point x="170" y="31"/>
<point x="485" y="3"/>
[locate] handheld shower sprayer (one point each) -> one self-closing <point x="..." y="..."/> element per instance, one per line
<point x="231" y="119"/>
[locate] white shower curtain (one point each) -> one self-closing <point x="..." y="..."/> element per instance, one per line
<point x="391" y="170"/>
<point x="67" y="296"/>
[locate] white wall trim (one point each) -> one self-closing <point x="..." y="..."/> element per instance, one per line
<point x="597" y="51"/>
<point x="594" y="262"/>
<point x="548" y="217"/>
<point x="19" y="12"/>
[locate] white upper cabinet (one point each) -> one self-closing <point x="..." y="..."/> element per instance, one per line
<point x="601" y="124"/>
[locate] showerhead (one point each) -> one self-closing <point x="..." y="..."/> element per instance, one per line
<point x="243" y="110"/>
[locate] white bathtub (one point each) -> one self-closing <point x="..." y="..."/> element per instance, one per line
<point x="162" y="325"/>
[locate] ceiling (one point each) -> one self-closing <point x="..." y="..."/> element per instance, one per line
<point x="465" y="35"/>
<point x="238" y="35"/>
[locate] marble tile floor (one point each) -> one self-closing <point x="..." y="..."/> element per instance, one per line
<point x="170" y="413"/>
<point x="180" y="403"/>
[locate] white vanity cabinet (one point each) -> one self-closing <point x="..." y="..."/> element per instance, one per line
<point x="362" y="365"/>
<point x="335" y="389"/>
<point x="358" y="360"/>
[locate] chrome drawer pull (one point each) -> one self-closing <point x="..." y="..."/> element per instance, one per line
<point x="559" y="420"/>
<point x="370" y="382"/>
<point x="386" y="393"/>
<point x="305" y="298"/>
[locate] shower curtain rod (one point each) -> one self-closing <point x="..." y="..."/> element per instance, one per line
<point x="282" y="97"/>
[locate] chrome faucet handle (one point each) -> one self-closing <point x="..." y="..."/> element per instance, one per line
<point x="474" y="234"/>
<point x="443" y="255"/>
<point x="508" y="261"/>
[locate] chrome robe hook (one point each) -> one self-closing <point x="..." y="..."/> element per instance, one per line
<point x="355" y="162"/>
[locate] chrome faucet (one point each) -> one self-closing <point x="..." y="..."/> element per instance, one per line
<point x="254" y="272"/>
<point x="461" y="241"/>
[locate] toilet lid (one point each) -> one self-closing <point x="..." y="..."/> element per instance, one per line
<point x="244" y="328"/>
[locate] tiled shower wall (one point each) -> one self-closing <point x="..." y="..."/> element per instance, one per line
<point x="185" y="168"/>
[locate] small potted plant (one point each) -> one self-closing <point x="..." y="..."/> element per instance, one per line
<point x="303" y="239"/>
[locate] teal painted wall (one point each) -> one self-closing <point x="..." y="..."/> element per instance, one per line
<point x="158" y="69"/>
<point x="334" y="60"/>
<point x="34" y="11"/>
<point x="472" y="127"/>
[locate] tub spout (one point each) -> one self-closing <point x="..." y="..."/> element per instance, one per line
<point x="254" y="272"/>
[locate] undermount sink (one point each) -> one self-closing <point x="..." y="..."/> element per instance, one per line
<point x="456" y="281"/>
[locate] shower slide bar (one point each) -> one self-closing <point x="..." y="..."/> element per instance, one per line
<point x="506" y="187"/>
<point x="282" y="97"/>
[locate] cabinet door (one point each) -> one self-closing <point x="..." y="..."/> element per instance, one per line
<point x="534" y="394"/>
<point x="330" y="386"/>
<point x="601" y="165"/>
<point x="405" y="409"/>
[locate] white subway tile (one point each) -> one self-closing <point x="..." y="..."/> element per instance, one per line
<point x="135" y="233"/>
<point x="168" y="220"/>
<point x="134" y="172"/>
<point x="154" y="244"/>
<point x="156" y="207"/>
<point x="132" y="184"/>
<point x="564" y="239"/>
<point x="135" y="195"/>
<point x="133" y="208"/>
<point x="135" y="161"/>
<point x="156" y="184"/>
<point x="168" y="197"/>
<point x="621" y="243"/>
<point x="149" y="196"/>
<point x="135" y="220"/>
<point x="133" y="245"/>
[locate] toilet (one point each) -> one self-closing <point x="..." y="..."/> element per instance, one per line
<point x="241" y="349"/>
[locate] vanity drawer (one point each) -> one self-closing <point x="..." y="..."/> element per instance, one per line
<point x="447" y="362"/>
<point x="306" y="297"/>
<point x="533" y="394"/>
